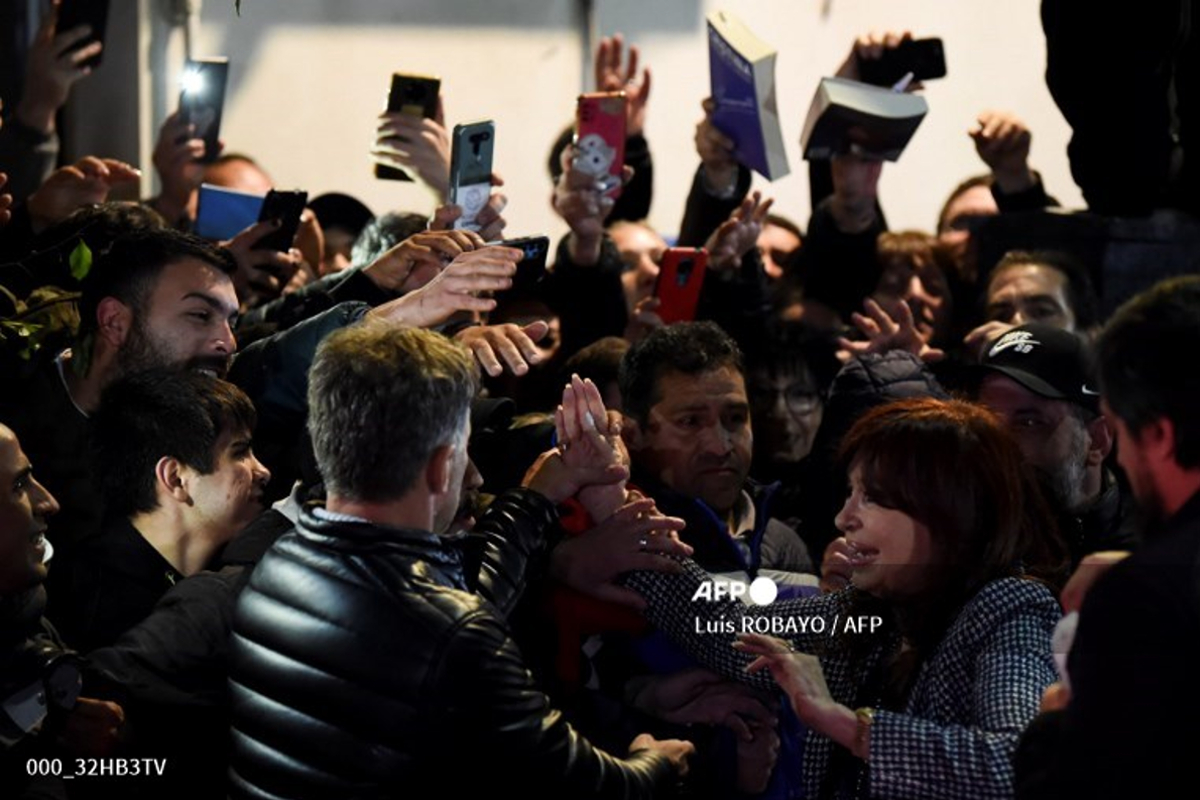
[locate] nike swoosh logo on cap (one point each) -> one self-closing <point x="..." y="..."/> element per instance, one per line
<point x="1088" y="391"/>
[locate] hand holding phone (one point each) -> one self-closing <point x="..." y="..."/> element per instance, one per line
<point x="600" y="139"/>
<point x="414" y="96"/>
<point x="286" y="207"/>
<point x="94" y="14"/>
<point x="532" y="266"/>
<point x="202" y="101"/>
<point x="924" y="58"/>
<point x="471" y="170"/>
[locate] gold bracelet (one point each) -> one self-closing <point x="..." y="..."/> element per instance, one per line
<point x="866" y="718"/>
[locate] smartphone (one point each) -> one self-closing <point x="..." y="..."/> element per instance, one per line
<point x="471" y="169"/>
<point x="680" y="278"/>
<point x="600" y="138"/>
<point x="287" y="208"/>
<point x="532" y="266"/>
<point x="202" y="100"/>
<point x="416" y="95"/>
<point x="924" y="58"/>
<point x="94" y="13"/>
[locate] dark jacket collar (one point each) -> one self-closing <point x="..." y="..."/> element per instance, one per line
<point x="366" y="538"/>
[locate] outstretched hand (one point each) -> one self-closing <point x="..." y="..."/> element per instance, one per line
<point x="615" y="74"/>
<point x="738" y="235"/>
<point x="884" y="332"/>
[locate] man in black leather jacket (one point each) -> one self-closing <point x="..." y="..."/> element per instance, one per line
<point x="364" y="663"/>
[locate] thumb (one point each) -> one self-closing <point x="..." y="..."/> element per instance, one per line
<point x="444" y="217"/>
<point x="536" y="330"/>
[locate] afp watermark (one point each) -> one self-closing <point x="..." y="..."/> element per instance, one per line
<point x="763" y="591"/>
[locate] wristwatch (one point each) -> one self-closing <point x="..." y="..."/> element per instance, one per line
<point x="866" y="718"/>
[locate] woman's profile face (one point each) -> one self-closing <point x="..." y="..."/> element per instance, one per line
<point x="895" y="554"/>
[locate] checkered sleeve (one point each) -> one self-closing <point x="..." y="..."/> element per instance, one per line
<point x="707" y="628"/>
<point x="999" y="684"/>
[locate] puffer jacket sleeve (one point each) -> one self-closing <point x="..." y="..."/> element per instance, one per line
<point x="503" y="725"/>
<point x="508" y="545"/>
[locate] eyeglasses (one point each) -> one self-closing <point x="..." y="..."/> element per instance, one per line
<point x="799" y="398"/>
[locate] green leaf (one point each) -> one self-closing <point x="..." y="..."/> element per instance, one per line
<point x="81" y="261"/>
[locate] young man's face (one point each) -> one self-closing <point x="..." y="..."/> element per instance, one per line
<point x="1030" y="293"/>
<point x="697" y="439"/>
<point x="231" y="496"/>
<point x="186" y="322"/>
<point x="24" y="506"/>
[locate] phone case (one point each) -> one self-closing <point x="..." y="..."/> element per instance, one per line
<point x="409" y="94"/>
<point x="203" y="99"/>
<point x="73" y="13"/>
<point x="532" y="266"/>
<point x="680" y="279"/>
<point x="472" y="148"/>
<point x="600" y="139"/>
<point x="286" y="207"/>
<point x="924" y="58"/>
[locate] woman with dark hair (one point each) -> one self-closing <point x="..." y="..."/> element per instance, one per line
<point x="918" y="678"/>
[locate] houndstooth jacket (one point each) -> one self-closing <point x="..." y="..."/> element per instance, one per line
<point x="972" y="697"/>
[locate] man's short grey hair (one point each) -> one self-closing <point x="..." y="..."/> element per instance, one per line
<point x="381" y="399"/>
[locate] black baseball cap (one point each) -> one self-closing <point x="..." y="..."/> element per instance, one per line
<point x="1047" y="361"/>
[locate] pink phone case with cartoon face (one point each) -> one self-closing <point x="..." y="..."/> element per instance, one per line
<point x="600" y="139"/>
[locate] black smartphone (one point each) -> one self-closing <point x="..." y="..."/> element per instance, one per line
<point x="416" y="95"/>
<point x="202" y="100"/>
<point x="924" y="58"/>
<point x="287" y="208"/>
<point x="532" y="266"/>
<point x="471" y="152"/>
<point x="94" y="13"/>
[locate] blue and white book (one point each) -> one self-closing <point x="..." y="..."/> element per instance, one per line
<point x="742" y="73"/>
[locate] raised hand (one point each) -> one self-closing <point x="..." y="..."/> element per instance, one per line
<point x="1002" y="140"/>
<point x="716" y="153"/>
<point x="417" y="260"/>
<point x="455" y="288"/>
<point x="52" y="69"/>
<point x="262" y="273"/>
<point x="884" y="332"/>
<point x="737" y="235"/>
<point x="177" y="155"/>
<point x="497" y="346"/>
<point x="614" y="74"/>
<point x="83" y="183"/>
<point x="636" y="537"/>
<point x="419" y="144"/>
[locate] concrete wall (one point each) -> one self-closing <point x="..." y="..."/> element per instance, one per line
<point x="309" y="77"/>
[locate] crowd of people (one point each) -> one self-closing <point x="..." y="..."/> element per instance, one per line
<point x="363" y="519"/>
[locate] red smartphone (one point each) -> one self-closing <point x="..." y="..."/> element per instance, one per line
<point x="680" y="278"/>
<point x="600" y="138"/>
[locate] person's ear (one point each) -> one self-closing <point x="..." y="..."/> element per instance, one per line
<point x="170" y="481"/>
<point x="114" y="320"/>
<point x="439" y="469"/>
<point x="1157" y="440"/>
<point x="1100" y="441"/>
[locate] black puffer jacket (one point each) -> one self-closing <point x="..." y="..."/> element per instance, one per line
<point x="364" y="667"/>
